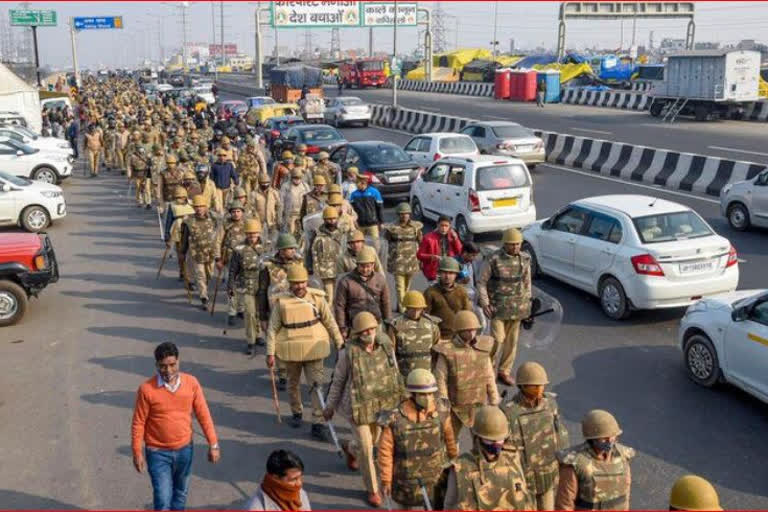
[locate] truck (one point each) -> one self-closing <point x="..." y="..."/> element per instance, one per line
<point x="361" y="73"/>
<point x="707" y="84"/>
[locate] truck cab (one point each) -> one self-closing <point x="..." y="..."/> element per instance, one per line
<point x="361" y="73"/>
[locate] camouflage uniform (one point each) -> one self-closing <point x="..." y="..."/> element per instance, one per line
<point x="325" y="169"/>
<point x="200" y="250"/>
<point x="325" y="251"/>
<point x="167" y="181"/>
<point x="505" y="284"/>
<point x="234" y="236"/>
<point x="464" y="375"/>
<point x="413" y="341"/>
<point x="157" y="168"/>
<point x="248" y="169"/>
<point x="403" y="242"/>
<point x="111" y="141"/>
<point x="474" y="483"/>
<point x="602" y="484"/>
<point x="537" y="434"/>
<point x="140" y="174"/>
<point x="312" y="203"/>
<point x="243" y="280"/>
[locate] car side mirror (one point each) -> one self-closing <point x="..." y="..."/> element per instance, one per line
<point x="547" y="224"/>
<point x="19" y="153"/>
<point x="740" y="314"/>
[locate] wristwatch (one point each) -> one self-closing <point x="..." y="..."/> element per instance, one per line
<point x="215" y="446"/>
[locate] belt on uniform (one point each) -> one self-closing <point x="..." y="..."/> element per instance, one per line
<point x="600" y="505"/>
<point x="301" y="325"/>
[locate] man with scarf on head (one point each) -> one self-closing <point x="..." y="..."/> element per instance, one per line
<point x="281" y="488"/>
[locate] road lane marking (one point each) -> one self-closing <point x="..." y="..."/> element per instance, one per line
<point x="591" y="131"/>
<point x="498" y="117"/>
<point x="734" y="150"/>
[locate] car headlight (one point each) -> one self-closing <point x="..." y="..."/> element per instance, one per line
<point x="50" y="194"/>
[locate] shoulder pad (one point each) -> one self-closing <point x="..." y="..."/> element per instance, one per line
<point x="432" y="318"/>
<point x="484" y="343"/>
<point x="625" y="451"/>
<point x="567" y="457"/>
<point x="418" y="225"/>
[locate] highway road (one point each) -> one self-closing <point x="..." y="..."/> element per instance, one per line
<point x="738" y="140"/>
<point x="72" y="366"/>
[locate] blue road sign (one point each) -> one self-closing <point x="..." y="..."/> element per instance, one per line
<point x="98" y="22"/>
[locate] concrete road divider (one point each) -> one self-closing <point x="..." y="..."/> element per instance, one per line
<point x="615" y="99"/>
<point x="461" y="88"/>
<point x="667" y="169"/>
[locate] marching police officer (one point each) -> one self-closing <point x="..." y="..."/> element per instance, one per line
<point x="234" y="236"/>
<point x="198" y="233"/>
<point x="445" y="298"/>
<point x="244" y="268"/>
<point x="414" y="333"/>
<point x="363" y="289"/>
<point x="325" y="250"/>
<point x="403" y="238"/>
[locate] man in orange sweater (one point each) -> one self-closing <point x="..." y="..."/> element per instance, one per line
<point x="162" y="421"/>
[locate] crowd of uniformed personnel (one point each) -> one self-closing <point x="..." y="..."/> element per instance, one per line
<point x="409" y="376"/>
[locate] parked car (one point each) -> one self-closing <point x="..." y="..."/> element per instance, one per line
<point x="481" y="194"/>
<point x="27" y="136"/>
<point x="633" y="252"/>
<point x="30" y="204"/>
<point x="388" y="167"/>
<point x="205" y="93"/>
<point x="276" y="126"/>
<point x="745" y="203"/>
<point x="231" y="108"/>
<point x="723" y="338"/>
<point x="317" y="137"/>
<point x="176" y="80"/>
<point x="27" y="265"/>
<point x="347" y="109"/>
<point x="507" y="139"/>
<point x="256" y="101"/>
<point x="25" y="161"/>
<point x="13" y="118"/>
<point x="428" y="147"/>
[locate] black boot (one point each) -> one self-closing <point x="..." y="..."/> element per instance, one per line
<point x="296" y="420"/>
<point x="231" y="320"/>
<point x="282" y="384"/>
<point x="250" y="350"/>
<point x="320" y="432"/>
<point x="204" y="303"/>
<point x="241" y="315"/>
<point x="260" y="341"/>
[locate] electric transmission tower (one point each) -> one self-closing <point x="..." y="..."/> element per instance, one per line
<point x="308" y="53"/>
<point x="335" y="43"/>
<point x="439" y="43"/>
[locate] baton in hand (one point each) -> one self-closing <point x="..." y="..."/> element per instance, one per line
<point x="424" y="495"/>
<point x="275" y="401"/>
<point x="316" y="388"/>
<point x="162" y="262"/>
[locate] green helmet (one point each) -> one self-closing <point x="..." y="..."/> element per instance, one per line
<point x="183" y="156"/>
<point x="598" y="423"/>
<point x="448" y="264"/>
<point x="692" y="492"/>
<point x="239" y="192"/>
<point x="235" y="205"/>
<point x="286" y="241"/>
<point x="490" y="423"/>
<point x="403" y="208"/>
<point x="421" y="380"/>
<point x="532" y="374"/>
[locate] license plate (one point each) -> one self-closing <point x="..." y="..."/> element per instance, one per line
<point x="501" y="203"/>
<point x="398" y="179"/>
<point x="698" y="267"/>
<point x="523" y="149"/>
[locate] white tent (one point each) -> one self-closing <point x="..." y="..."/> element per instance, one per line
<point x="16" y="95"/>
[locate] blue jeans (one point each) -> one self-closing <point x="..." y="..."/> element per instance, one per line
<point x="169" y="472"/>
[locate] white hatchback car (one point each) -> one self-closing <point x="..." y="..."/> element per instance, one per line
<point x="481" y="194"/>
<point x="633" y="252"/>
<point x="724" y="338"/>
<point x="30" y="204"/>
<point x="25" y="161"/>
<point x="745" y="203"/>
<point x="30" y="138"/>
<point x="429" y="147"/>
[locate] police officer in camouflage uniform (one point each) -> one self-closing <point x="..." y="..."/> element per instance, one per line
<point x="156" y="168"/>
<point x="314" y="200"/>
<point x="416" y="442"/>
<point x="198" y="244"/>
<point x="347" y="224"/>
<point x="234" y="236"/>
<point x="504" y="293"/>
<point x="403" y="240"/>
<point x="464" y="371"/>
<point x="249" y="210"/>
<point x="595" y="474"/>
<point x="536" y="432"/>
<point x="325" y="250"/>
<point x="324" y="168"/>
<point x="414" y="333"/>
<point x="488" y="477"/>
<point x="111" y="142"/>
<point x="249" y="166"/>
<point x="168" y="181"/>
<point x="177" y="212"/>
<point x="140" y="171"/>
<point x="243" y="279"/>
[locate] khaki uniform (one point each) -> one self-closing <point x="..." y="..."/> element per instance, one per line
<point x="299" y="334"/>
<point x="291" y="197"/>
<point x="140" y="174"/>
<point x="93" y="146"/>
<point x="157" y="168"/>
<point x="244" y="269"/>
<point x="537" y="433"/>
<point x="505" y="283"/>
<point x="413" y="341"/>
<point x="234" y="236"/>
<point x="324" y="252"/>
<point x="111" y="142"/>
<point x="402" y="242"/>
<point x="122" y="143"/>
<point x="268" y="208"/>
<point x="180" y="212"/>
<point x="248" y="169"/>
<point x="208" y="191"/>
<point x="464" y="375"/>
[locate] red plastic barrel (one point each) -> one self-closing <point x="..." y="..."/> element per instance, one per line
<point x="501" y="84"/>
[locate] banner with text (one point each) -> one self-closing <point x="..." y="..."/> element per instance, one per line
<point x="382" y="14"/>
<point x="308" y="14"/>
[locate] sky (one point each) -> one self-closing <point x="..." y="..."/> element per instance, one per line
<point x="152" y="25"/>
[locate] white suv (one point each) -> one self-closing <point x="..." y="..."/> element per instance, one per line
<point x="481" y="194"/>
<point x="31" y="204"/>
<point x="633" y="252"/>
<point x="19" y="159"/>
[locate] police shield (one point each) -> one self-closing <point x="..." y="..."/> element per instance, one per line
<point x="542" y="328"/>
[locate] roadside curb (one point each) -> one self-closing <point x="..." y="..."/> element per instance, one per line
<point x="665" y="168"/>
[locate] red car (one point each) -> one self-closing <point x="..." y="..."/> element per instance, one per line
<point x="27" y="265"/>
<point x="228" y="109"/>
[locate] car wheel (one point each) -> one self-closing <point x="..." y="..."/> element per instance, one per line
<point x="738" y="217"/>
<point x="463" y="230"/>
<point x="13" y="303"/>
<point x="535" y="270"/>
<point x="35" y="218"/>
<point x="46" y="175"/>
<point x="416" y="212"/>
<point x="613" y="300"/>
<point x="365" y="124"/>
<point x="656" y="109"/>
<point x="701" y="360"/>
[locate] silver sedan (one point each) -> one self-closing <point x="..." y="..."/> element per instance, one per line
<point x="346" y="110"/>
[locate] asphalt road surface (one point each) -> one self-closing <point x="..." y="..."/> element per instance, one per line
<point x="71" y="368"/>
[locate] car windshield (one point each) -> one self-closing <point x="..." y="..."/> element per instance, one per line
<point x="21" y="146"/>
<point x="383" y="155"/>
<point x="351" y="101"/>
<point x="19" y="182"/>
<point x="203" y="88"/>
<point x="500" y="177"/>
<point x="511" y="131"/>
<point x="668" y="227"/>
<point x="372" y="65"/>
<point x="282" y="125"/>
<point x="26" y="132"/>
<point x="453" y="145"/>
<point x="320" y="135"/>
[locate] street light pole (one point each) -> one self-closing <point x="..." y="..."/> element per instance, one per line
<point x="394" y="59"/>
<point x="259" y="56"/>
<point x="495" y="27"/>
<point x="74" y="51"/>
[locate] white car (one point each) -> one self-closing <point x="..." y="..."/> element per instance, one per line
<point x="745" y="203"/>
<point x="347" y="109"/>
<point x="31" y="204"/>
<point x="25" y="161"/>
<point x="633" y="252"/>
<point x="481" y="194"/>
<point x="30" y="138"/>
<point x="428" y="147"/>
<point x="206" y="93"/>
<point x="724" y="338"/>
<point x="163" y="87"/>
